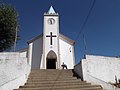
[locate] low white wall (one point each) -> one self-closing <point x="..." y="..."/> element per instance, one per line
<point x="23" y="54"/>
<point x="14" y="70"/>
<point x="95" y="81"/>
<point x="101" y="67"/>
<point x="99" y="70"/>
<point x="9" y="56"/>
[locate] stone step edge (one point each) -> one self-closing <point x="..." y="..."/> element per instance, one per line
<point x="56" y="84"/>
<point x="90" y="88"/>
<point x="61" y="86"/>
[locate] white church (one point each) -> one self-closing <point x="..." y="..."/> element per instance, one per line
<point x="51" y="49"/>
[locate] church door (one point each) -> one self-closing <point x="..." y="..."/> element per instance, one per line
<point x="51" y="60"/>
<point x="51" y="64"/>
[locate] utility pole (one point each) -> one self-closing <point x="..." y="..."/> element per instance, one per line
<point x="15" y="40"/>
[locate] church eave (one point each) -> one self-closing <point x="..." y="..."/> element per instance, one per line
<point x="35" y="38"/>
<point x="60" y="35"/>
<point x="68" y="39"/>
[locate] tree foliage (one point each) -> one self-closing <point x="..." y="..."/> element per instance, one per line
<point x="8" y="26"/>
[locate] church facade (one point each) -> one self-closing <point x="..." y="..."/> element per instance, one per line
<point x="51" y="49"/>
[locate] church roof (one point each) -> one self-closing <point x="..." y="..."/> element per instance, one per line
<point x="65" y="38"/>
<point x="51" y="10"/>
<point x="35" y="38"/>
<point x="61" y="36"/>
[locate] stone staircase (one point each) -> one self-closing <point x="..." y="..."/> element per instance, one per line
<point x="53" y="79"/>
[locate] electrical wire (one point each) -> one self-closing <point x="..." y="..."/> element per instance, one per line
<point x="86" y="19"/>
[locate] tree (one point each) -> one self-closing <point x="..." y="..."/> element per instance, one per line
<point x="8" y="27"/>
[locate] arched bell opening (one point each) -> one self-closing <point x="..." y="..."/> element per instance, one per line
<point x="51" y="60"/>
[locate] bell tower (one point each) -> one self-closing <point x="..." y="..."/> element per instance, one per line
<point x="51" y="58"/>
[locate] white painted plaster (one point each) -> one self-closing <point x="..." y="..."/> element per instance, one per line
<point x="30" y="50"/>
<point x="66" y="54"/>
<point x="37" y="50"/>
<point x="78" y="69"/>
<point x="47" y="47"/>
<point x="11" y="55"/>
<point x="42" y="62"/>
<point x="14" y="70"/>
<point x="99" y="70"/>
<point x="101" y="67"/>
<point x="83" y="74"/>
<point x="23" y="54"/>
<point x="94" y="81"/>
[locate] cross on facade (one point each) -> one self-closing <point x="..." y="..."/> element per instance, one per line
<point x="51" y="37"/>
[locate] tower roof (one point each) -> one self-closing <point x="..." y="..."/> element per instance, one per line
<point x="51" y="10"/>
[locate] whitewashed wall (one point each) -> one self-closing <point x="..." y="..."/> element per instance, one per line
<point x="54" y="28"/>
<point x="66" y="54"/>
<point x="101" y="67"/>
<point x="14" y="70"/>
<point x="23" y="54"/>
<point x="99" y="70"/>
<point x="30" y="53"/>
<point x="37" y="49"/>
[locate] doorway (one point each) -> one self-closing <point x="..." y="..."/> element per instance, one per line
<point x="51" y="60"/>
<point x="51" y="64"/>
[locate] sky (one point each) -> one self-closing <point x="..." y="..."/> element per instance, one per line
<point x="102" y="30"/>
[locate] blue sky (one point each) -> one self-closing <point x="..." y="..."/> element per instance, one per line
<point x="102" y="30"/>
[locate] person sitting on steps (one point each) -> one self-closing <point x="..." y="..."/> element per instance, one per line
<point x="64" y="66"/>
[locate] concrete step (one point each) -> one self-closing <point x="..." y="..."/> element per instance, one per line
<point x="55" y="79"/>
<point x="63" y="86"/>
<point x="61" y="77"/>
<point x="67" y="88"/>
<point x="56" y="84"/>
<point x="65" y="76"/>
<point x="52" y="79"/>
<point x="40" y="71"/>
<point x="39" y="75"/>
<point x="51" y="73"/>
<point x="59" y="86"/>
<point x="56" y="70"/>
